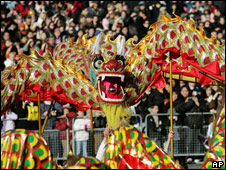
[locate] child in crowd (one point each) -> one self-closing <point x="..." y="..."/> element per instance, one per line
<point x="155" y="126"/>
<point x="8" y="124"/>
<point x="81" y="135"/>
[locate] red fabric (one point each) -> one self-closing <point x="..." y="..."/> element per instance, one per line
<point x="2" y="45"/>
<point x="61" y="124"/>
<point x="211" y="69"/>
<point x="51" y="49"/>
<point x="158" y="82"/>
<point x="77" y="5"/>
<point x="212" y="9"/>
<point x="51" y="95"/>
<point x="40" y="51"/>
<point x="133" y="162"/>
<point x="21" y="9"/>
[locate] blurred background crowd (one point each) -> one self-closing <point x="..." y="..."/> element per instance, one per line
<point x="43" y="24"/>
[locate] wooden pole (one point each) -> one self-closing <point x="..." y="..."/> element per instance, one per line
<point x="39" y="115"/>
<point x="47" y="116"/>
<point x="92" y="132"/>
<point x="171" y="105"/>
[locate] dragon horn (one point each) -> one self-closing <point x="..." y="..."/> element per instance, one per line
<point x="120" y="43"/>
<point x="97" y="44"/>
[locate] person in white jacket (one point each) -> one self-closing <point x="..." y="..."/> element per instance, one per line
<point x="81" y="135"/>
<point x="8" y="124"/>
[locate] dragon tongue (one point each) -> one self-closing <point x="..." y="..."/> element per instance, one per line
<point x="111" y="89"/>
<point x="110" y="84"/>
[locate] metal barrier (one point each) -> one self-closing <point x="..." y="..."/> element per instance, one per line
<point x="55" y="140"/>
<point x="58" y="141"/>
<point x="99" y="134"/>
<point x="98" y="137"/>
<point x="187" y="141"/>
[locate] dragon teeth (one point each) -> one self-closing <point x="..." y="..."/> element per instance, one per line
<point x="107" y="69"/>
<point x="102" y="77"/>
<point x="122" y="78"/>
<point x="119" y="70"/>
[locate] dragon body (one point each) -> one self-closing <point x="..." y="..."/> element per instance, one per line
<point x="25" y="149"/>
<point x="217" y="150"/>
<point x="99" y="73"/>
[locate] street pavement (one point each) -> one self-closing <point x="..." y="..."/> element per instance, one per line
<point x="195" y="165"/>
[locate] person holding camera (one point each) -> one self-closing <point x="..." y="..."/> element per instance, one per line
<point x="21" y="108"/>
<point x="190" y="104"/>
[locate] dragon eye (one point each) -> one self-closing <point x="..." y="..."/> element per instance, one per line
<point x="120" y="59"/>
<point x="121" y="62"/>
<point x="98" y="63"/>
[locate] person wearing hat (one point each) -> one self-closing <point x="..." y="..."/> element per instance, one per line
<point x="89" y="20"/>
<point x="63" y="125"/>
<point x="141" y="5"/>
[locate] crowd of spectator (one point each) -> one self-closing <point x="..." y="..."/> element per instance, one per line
<point x="43" y="24"/>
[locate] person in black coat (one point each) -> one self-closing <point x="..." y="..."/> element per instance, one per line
<point x="20" y="108"/>
<point x="189" y="104"/>
<point x="156" y="125"/>
<point x="142" y="107"/>
<point x="51" y="136"/>
<point x="157" y="97"/>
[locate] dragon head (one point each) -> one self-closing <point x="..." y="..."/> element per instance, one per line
<point x="108" y="68"/>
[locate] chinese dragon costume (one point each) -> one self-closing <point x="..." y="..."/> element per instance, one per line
<point x="111" y="75"/>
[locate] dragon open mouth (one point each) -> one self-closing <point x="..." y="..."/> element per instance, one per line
<point x="110" y="87"/>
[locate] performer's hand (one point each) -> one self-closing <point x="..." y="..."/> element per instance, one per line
<point x="171" y="135"/>
<point x="107" y="132"/>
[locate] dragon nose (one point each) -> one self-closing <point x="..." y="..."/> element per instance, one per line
<point x="112" y="65"/>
